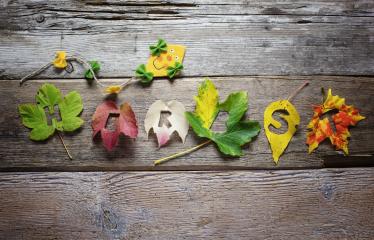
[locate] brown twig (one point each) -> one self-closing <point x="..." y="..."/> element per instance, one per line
<point x="63" y="143"/>
<point x="165" y="159"/>
<point x="306" y="83"/>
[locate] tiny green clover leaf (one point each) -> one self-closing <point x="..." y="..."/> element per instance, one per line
<point x="160" y="47"/>
<point x="34" y="117"/>
<point x="141" y="72"/>
<point x="172" y="71"/>
<point x="95" y="65"/>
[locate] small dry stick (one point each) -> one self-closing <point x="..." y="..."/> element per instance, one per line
<point x="162" y="160"/>
<point x="63" y="143"/>
<point x="306" y="83"/>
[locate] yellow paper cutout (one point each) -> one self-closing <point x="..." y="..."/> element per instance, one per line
<point x="158" y="64"/>
<point x="113" y="89"/>
<point x="279" y="142"/>
<point x="60" y="60"/>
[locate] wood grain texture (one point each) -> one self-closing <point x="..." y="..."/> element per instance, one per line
<point x="293" y="204"/>
<point x="18" y="152"/>
<point x="241" y="38"/>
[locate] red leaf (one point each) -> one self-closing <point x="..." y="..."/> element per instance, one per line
<point x="125" y="123"/>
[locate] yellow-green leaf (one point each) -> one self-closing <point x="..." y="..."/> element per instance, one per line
<point x="207" y="103"/>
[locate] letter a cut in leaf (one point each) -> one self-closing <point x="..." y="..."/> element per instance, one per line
<point x="279" y="142"/>
<point x="177" y="121"/>
<point x="238" y="132"/>
<point x="320" y="129"/>
<point x="125" y="123"/>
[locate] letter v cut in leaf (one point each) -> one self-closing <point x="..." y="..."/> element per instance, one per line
<point x="34" y="117"/>
<point x="177" y="121"/>
<point x="125" y="123"/>
<point x="238" y="132"/>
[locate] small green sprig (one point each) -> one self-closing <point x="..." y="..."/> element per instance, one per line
<point x="95" y="65"/>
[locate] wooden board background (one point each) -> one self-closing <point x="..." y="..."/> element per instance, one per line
<point x="267" y="48"/>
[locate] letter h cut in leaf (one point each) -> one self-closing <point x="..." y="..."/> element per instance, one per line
<point x="34" y="117"/>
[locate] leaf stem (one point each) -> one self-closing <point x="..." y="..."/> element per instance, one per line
<point x="63" y="143"/>
<point x="165" y="159"/>
<point x="306" y="83"/>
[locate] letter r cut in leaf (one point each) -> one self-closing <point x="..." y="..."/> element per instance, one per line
<point x="177" y="120"/>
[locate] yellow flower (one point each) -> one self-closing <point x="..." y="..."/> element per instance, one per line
<point x="114" y="89"/>
<point x="60" y="60"/>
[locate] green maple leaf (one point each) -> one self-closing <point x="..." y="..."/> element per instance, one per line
<point x="95" y="65"/>
<point x="238" y="132"/>
<point x="34" y="117"/>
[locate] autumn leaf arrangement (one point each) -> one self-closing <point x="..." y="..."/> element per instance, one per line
<point x="166" y="60"/>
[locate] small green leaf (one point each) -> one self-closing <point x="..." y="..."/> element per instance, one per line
<point x="237" y="132"/>
<point x="141" y="72"/>
<point x="236" y="104"/>
<point x="95" y="65"/>
<point x="197" y="125"/>
<point x="172" y="71"/>
<point x="48" y="96"/>
<point x="160" y="47"/>
<point x="70" y="107"/>
<point x="230" y="142"/>
<point x="33" y="116"/>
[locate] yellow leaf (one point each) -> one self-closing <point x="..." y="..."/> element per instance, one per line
<point x="60" y="60"/>
<point x="207" y="103"/>
<point x="279" y="142"/>
<point x="114" y="89"/>
<point x="158" y="64"/>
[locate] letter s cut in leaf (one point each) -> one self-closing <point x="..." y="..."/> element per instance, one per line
<point x="177" y="120"/>
<point x="125" y="123"/>
<point x="279" y="142"/>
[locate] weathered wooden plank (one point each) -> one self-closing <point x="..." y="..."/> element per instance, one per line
<point x="312" y="204"/>
<point x="176" y="8"/>
<point x="271" y="38"/>
<point x="18" y="152"/>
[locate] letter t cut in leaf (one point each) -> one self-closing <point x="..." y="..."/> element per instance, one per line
<point x="125" y="123"/>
